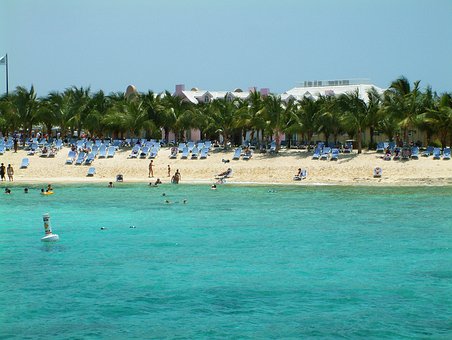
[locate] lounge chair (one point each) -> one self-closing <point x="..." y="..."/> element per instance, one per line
<point x="348" y="148"/>
<point x="102" y="151"/>
<point x="190" y="146"/>
<point x="154" y="152"/>
<point x="237" y="153"/>
<point x="25" y="163"/>
<point x="428" y="151"/>
<point x="316" y="154"/>
<point x="181" y="146"/>
<point x="144" y="152"/>
<point x="204" y="153"/>
<point x="136" y="150"/>
<point x="173" y="153"/>
<point x="89" y="159"/>
<point x="378" y="172"/>
<point x="436" y="153"/>
<point x="2" y="149"/>
<point x="111" y="151"/>
<point x="226" y="174"/>
<point x="80" y="158"/>
<point x="406" y="153"/>
<point x="71" y="157"/>
<point x="335" y="154"/>
<point x="91" y="172"/>
<point x="302" y="174"/>
<point x="248" y="154"/>
<point x="184" y="153"/>
<point x="380" y="147"/>
<point x="414" y="152"/>
<point x="194" y="153"/>
<point x="446" y="154"/>
<point x="325" y="153"/>
<point x="273" y="147"/>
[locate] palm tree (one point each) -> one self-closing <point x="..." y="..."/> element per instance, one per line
<point x="26" y="105"/>
<point x="404" y="103"/>
<point x="355" y="115"/>
<point x="278" y="116"/>
<point x="440" y="119"/>
<point x="177" y="113"/>
<point x="9" y="118"/>
<point x="78" y="106"/>
<point x="309" y="113"/>
<point x="225" y="115"/>
<point x="330" y="117"/>
<point x="374" y="112"/>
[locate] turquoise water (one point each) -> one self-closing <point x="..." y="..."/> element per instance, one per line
<point x="238" y="262"/>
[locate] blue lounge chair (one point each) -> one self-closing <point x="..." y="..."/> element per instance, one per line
<point x="194" y="153"/>
<point x="25" y="163"/>
<point x="380" y="147"/>
<point x="184" y="153"/>
<point x="335" y="154"/>
<point x="89" y="159"/>
<point x="436" y="153"/>
<point x="91" y="171"/>
<point x="273" y="147"/>
<point x="414" y="152"/>
<point x="446" y="154"/>
<point x="111" y="151"/>
<point x="301" y="175"/>
<point x="248" y="154"/>
<point x="144" y="152"/>
<point x="154" y="152"/>
<point x="181" y="146"/>
<point x="173" y="153"/>
<point x="316" y="154"/>
<point x="237" y="153"/>
<point x="428" y="151"/>
<point x="204" y="153"/>
<point x="325" y="153"/>
<point x="102" y="151"/>
<point x="80" y="158"/>
<point x="71" y="157"/>
<point x="2" y="149"/>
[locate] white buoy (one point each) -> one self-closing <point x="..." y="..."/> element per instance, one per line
<point x="49" y="237"/>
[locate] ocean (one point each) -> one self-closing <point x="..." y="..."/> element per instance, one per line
<point x="248" y="262"/>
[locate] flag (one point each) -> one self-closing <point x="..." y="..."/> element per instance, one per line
<point x="3" y="60"/>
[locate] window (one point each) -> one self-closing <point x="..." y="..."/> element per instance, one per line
<point x="206" y="99"/>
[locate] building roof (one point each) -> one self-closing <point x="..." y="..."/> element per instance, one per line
<point x="316" y="91"/>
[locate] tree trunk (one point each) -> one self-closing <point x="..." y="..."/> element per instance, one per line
<point x="371" y="132"/>
<point x="358" y="140"/>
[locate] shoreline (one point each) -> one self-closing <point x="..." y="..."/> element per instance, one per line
<point x="262" y="169"/>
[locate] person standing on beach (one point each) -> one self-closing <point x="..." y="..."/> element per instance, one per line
<point x="10" y="172"/>
<point x="15" y="144"/>
<point x="2" y="172"/>
<point x="176" y="178"/>
<point x="151" y="170"/>
<point x="169" y="171"/>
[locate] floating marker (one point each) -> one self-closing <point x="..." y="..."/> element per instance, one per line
<point x="49" y="237"/>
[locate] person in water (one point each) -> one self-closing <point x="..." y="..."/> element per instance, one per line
<point x="49" y="188"/>
<point x="25" y="190"/>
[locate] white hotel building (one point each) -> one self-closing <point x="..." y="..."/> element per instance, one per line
<point x="312" y="89"/>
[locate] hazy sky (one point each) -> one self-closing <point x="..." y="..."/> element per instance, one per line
<point x="221" y="45"/>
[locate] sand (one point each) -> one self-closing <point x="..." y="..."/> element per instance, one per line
<point x="262" y="168"/>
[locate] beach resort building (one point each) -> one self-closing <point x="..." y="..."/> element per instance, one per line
<point x="312" y="89"/>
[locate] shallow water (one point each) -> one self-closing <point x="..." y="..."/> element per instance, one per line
<point x="237" y="262"/>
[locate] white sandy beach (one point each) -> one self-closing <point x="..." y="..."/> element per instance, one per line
<point x="350" y="169"/>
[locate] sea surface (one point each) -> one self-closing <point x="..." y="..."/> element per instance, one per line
<point x="248" y="262"/>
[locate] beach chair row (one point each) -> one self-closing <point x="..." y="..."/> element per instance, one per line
<point x="195" y="153"/>
<point x="149" y="150"/>
<point x="246" y="154"/>
<point x="87" y="158"/>
<point x="326" y="153"/>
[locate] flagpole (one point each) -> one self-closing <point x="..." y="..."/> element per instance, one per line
<point x="7" y="74"/>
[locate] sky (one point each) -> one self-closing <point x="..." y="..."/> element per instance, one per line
<point x="222" y="45"/>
